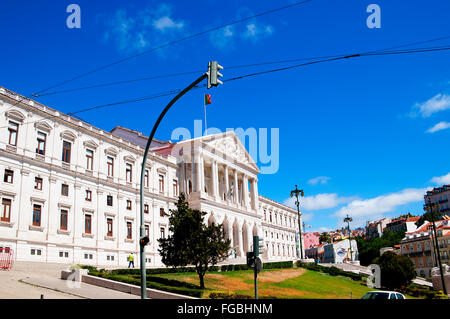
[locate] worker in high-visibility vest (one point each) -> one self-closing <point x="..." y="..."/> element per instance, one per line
<point x="130" y="260"/>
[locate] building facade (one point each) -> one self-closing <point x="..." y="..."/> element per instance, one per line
<point x="375" y="229"/>
<point x="341" y="251"/>
<point x="417" y="246"/>
<point x="406" y="224"/>
<point x="70" y="191"/>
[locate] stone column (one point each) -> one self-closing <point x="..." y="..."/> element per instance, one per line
<point x="215" y="179"/>
<point x="230" y="234"/>
<point x="255" y="202"/>
<point x="196" y="173"/>
<point x="236" y="187"/>
<point x="245" y="192"/>
<point x="227" y="186"/>
<point x="240" y="243"/>
<point x="202" y="174"/>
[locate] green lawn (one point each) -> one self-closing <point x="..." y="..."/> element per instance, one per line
<point x="298" y="283"/>
<point x="286" y="283"/>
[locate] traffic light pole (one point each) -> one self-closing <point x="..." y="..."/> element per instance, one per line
<point x="144" y="161"/>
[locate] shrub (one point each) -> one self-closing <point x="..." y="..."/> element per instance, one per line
<point x="227" y="295"/>
<point x="396" y="270"/>
<point x="278" y="265"/>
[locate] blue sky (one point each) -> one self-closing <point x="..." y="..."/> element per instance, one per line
<point x="365" y="136"/>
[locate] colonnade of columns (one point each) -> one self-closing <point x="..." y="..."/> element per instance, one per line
<point x="221" y="182"/>
<point x="240" y="233"/>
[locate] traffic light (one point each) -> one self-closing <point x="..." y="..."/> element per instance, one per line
<point x="250" y="258"/>
<point x="144" y="241"/>
<point x="214" y="74"/>
<point x="258" y="246"/>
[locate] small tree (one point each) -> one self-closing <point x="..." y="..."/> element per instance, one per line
<point x="191" y="242"/>
<point x="325" y="238"/>
<point x="396" y="270"/>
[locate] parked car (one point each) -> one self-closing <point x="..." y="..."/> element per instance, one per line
<point x="383" y="295"/>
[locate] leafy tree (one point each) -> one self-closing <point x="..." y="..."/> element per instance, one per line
<point x="325" y="238"/>
<point x="368" y="250"/>
<point x="191" y="242"/>
<point x="396" y="270"/>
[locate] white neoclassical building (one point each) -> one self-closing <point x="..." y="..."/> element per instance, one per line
<point x="70" y="191"/>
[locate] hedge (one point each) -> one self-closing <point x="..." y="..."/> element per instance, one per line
<point x="333" y="271"/>
<point x="154" y="271"/>
<point x="155" y="283"/>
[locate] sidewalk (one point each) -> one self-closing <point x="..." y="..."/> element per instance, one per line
<point x="30" y="280"/>
<point x="78" y="289"/>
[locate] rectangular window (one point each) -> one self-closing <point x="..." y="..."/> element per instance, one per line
<point x="87" y="224"/>
<point x="61" y="254"/>
<point x="41" y="139"/>
<point x="64" y="189"/>
<point x="129" y="230"/>
<point x="146" y="209"/>
<point x="9" y="176"/>
<point x="110" y="162"/>
<point x="88" y="195"/>
<point x="146" y="178"/>
<point x="66" y="254"/>
<point x="161" y="183"/>
<point x="63" y="221"/>
<point x="38" y="183"/>
<point x="13" y="128"/>
<point x="175" y="187"/>
<point x="37" y="215"/>
<point x="162" y="230"/>
<point x="89" y="160"/>
<point x="109" y="200"/>
<point x="6" y="210"/>
<point x="66" y="151"/>
<point x="109" y="223"/>
<point x="129" y="204"/>
<point x="161" y="212"/>
<point x="128" y="172"/>
<point x="147" y="231"/>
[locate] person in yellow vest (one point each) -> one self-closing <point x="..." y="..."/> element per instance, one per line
<point x="130" y="260"/>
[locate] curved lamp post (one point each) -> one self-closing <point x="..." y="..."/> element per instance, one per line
<point x="297" y="192"/>
<point x="348" y="220"/>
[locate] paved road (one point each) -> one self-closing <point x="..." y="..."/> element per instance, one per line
<point x="30" y="280"/>
<point x="365" y="270"/>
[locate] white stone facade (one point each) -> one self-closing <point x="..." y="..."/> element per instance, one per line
<point x="70" y="191"/>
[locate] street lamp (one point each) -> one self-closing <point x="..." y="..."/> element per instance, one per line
<point x="432" y="209"/>
<point x="348" y="220"/>
<point x="296" y="192"/>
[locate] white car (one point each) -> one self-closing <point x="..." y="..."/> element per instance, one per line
<point x="383" y="295"/>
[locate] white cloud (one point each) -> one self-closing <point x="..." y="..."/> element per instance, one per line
<point x="139" y="31"/>
<point x="374" y="208"/>
<point x="255" y="31"/>
<point x="166" y="23"/>
<point x="441" y="180"/>
<point x="439" y="127"/>
<point x="439" y="102"/>
<point x="319" y="180"/>
<point x="307" y="217"/>
<point x="222" y="38"/>
<point x="319" y="201"/>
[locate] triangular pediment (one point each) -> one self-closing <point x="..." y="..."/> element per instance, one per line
<point x="229" y="146"/>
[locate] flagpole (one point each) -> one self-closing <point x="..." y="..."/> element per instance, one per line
<point x="206" y="126"/>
